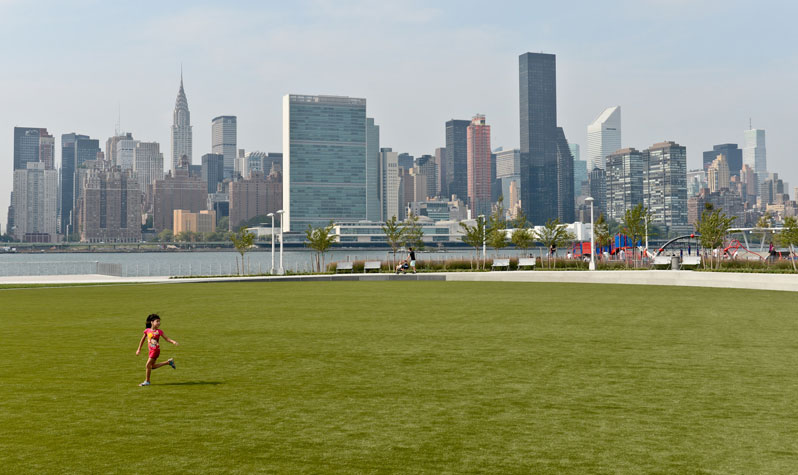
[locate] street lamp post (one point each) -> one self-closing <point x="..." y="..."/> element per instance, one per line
<point x="271" y="215"/>
<point x="592" y="265"/>
<point x="484" y="257"/>
<point x="280" y="212"/>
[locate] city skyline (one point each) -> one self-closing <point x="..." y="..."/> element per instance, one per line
<point x="682" y="99"/>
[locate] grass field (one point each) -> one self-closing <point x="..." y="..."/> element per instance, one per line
<point x="434" y="377"/>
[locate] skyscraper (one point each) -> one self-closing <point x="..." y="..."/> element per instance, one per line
<point x="546" y="161"/>
<point x="718" y="174"/>
<point x="324" y="160"/>
<point x="35" y="202"/>
<point x="479" y="165"/>
<point x="372" y="170"/>
<point x="623" y="182"/>
<point x="109" y="208"/>
<point x="427" y="168"/>
<point x="75" y="150"/>
<point x="33" y="144"/>
<point x="224" y="137"/>
<point x="754" y="151"/>
<point x="734" y="156"/>
<point x="390" y="183"/>
<point x="603" y="137"/>
<point x="457" y="158"/>
<point x="181" y="128"/>
<point x="148" y="164"/>
<point x="212" y="170"/>
<point x="665" y="184"/>
<point x="442" y="186"/>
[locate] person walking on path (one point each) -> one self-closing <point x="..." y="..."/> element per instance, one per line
<point x="411" y="256"/>
<point x="153" y="333"/>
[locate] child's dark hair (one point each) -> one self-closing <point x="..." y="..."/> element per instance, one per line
<point x="150" y="318"/>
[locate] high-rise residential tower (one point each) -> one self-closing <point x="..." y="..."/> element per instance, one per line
<point x="457" y="158"/>
<point x="148" y="164"/>
<point x="224" y="137"/>
<point x="441" y="187"/>
<point x="754" y="151"/>
<point x="181" y="128"/>
<point x="603" y="137"/>
<point x="324" y="160"/>
<point x="665" y="184"/>
<point x="479" y="166"/>
<point x="623" y="182"/>
<point x="546" y="162"/>
<point x="35" y="201"/>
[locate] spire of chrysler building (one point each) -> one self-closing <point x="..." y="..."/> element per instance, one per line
<point x="181" y="127"/>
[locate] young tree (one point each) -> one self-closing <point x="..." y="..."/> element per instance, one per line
<point x="394" y="234"/>
<point x="473" y="236"/>
<point x="601" y="233"/>
<point x="413" y="233"/>
<point x="789" y="237"/>
<point x="635" y="221"/>
<point x="522" y="236"/>
<point x="242" y="241"/>
<point x="497" y="227"/>
<point x="713" y="227"/>
<point x="320" y="239"/>
<point x="555" y="234"/>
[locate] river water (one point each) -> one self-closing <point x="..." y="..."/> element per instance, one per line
<point x="185" y="263"/>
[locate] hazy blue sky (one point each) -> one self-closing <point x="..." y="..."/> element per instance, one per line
<point x="689" y="71"/>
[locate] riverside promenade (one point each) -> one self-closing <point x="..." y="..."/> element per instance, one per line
<point x="731" y="280"/>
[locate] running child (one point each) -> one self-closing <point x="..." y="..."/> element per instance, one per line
<point x="153" y="333"/>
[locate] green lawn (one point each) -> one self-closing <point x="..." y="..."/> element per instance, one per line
<point x="433" y="377"/>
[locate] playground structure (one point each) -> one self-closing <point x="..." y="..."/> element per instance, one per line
<point x="732" y="248"/>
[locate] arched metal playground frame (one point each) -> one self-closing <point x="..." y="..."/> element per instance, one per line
<point x="732" y="244"/>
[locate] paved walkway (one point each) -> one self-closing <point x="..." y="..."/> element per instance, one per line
<point x="784" y="282"/>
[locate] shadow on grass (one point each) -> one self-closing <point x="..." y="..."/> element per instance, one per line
<point x="193" y="383"/>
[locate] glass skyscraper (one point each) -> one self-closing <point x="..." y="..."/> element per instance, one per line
<point x="457" y="158"/>
<point x="547" y="182"/>
<point x="324" y="160"/>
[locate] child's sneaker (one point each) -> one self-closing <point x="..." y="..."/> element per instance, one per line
<point x="145" y="383"/>
<point x="171" y="362"/>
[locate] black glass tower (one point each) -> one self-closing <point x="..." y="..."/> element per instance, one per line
<point x="457" y="157"/>
<point x="734" y="156"/>
<point x="546" y="160"/>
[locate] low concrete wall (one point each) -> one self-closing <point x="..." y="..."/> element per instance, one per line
<point x="783" y="282"/>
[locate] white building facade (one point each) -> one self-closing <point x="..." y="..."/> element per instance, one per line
<point x="603" y="137"/>
<point x="754" y="151"/>
<point x="35" y="203"/>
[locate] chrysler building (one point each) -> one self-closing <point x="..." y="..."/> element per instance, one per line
<point x="181" y="128"/>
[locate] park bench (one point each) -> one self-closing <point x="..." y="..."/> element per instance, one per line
<point x="499" y="263"/>
<point x="341" y="266"/>
<point x="526" y="262"/>
<point x="371" y="265"/>
<point x="662" y="260"/>
<point x="691" y="260"/>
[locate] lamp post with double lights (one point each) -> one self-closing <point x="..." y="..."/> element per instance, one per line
<point x="592" y="265"/>
<point x="482" y="216"/>
<point x="281" y="212"/>
<point x="271" y="215"/>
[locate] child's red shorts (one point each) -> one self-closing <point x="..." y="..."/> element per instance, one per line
<point x="154" y="354"/>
